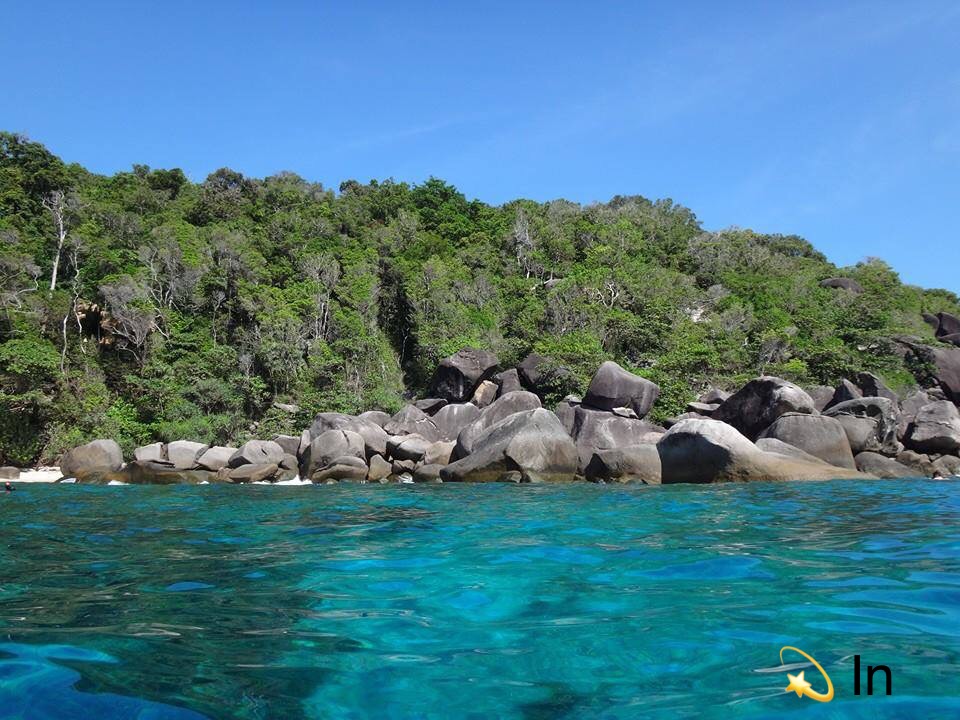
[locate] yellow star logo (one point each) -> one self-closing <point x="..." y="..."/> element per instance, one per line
<point x="797" y="684"/>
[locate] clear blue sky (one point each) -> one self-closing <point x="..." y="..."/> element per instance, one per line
<point x="836" y="121"/>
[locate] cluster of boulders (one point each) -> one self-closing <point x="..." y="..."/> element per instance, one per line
<point x="481" y="425"/>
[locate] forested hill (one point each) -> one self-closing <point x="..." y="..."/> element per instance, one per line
<point x="142" y="306"/>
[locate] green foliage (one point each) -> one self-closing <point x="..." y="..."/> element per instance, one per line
<point x="192" y="310"/>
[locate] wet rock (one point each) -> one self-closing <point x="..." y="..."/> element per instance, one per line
<point x="706" y="451"/>
<point x="153" y="472"/>
<point x="883" y="467"/>
<point x="755" y="406"/>
<point x="253" y="472"/>
<point x="818" y="435"/>
<point x="427" y="473"/>
<point x="634" y="463"/>
<point x="342" y="469"/>
<point x="612" y="386"/>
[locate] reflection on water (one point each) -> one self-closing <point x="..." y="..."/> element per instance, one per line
<point x="474" y="601"/>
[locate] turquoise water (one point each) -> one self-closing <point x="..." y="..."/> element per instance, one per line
<point x="476" y="601"/>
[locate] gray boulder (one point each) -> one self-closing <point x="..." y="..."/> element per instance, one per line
<point x="821" y="436"/>
<point x="457" y="376"/>
<point x="822" y="395"/>
<point x="254" y="472"/>
<point x="713" y="396"/>
<point x="921" y="464"/>
<point x="97" y="457"/>
<point x="755" y="406"/>
<point x="595" y="430"/>
<point x="912" y="404"/>
<point x="612" y="387"/>
<point x="429" y="405"/>
<point x="452" y="419"/>
<point x="377" y="417"/>
<point x="257" y="452"/>
<point x="529" y="446"/>
<point x="779" y="447"/>
<point x="331" y="446"/>
<point x="407" y="447"/>
<point x="348" y="468"/>
<point x="289" y="443"/>
<point x="411" y="420"/>
<point x="374" y="436"/>
<point x="947" y="325"/>
<point x="541" y="375"/>
<point x="379" y="470"/>
<point x="183" y="454"/>
<point x="566" y="411"/>
<point x="883" y="467"/>
<point x="701" y="408"/>
<point x="427" y="473"/>
<point x="507" y="381"/>
<point x="215" y="457"/>
<point x="439" y="453"/>
<point x="936" y="429"/>
<point x="152" y="452"/>
<point x="502" y="407"/>
<point x="707" y="451"/>
<point x="870" y="423"/>
<point x="634" y="463"/>
<point x="947" y="465"/>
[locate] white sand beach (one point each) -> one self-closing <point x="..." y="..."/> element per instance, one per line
<point x="39" y="475"/>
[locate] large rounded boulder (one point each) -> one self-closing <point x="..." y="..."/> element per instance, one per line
<point x="631" y="464"/>
<point x="936" y="429"/>
<point x="871" y="424"/>
<point x="450" y="420"/>
<point x="708" y="451"/>
<point x="94" y="458"/>
<point x="374" y="436"/>
<point x="499" y="410"/>
<point x="456" y="377"/>
<point x="819" y="435"/>
<point x="256" y="452"/>
<point x="411" y="420"/>
<point x="528" y="446"/>
<point x="328" y="448"/>
<point x="755" y="406"/>
<point x="613" y="387"/>
<point x="594" y="430"/>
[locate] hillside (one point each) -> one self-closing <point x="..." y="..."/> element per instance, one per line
<point x="144" y="307"/>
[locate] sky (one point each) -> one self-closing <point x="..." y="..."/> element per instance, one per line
<point x="836" y="121"/>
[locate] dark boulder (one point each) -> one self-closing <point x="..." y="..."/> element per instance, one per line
<point x="870" y="423"/>
<point x="631" y="464"/>
<point x="257" y="452"/>
<point x="427" y="473"/>
<point x="872" y="386"/>
<point x="947" y="466"/>
<point x="97" y="457"/>
<point x="152" y="472"/>
<point x="529" y="446"/>
<point x="429" y="405"/>
<point x="883" y="467"/>
<point x="912" y="404"/>
<point x="541" y="375"/>
<point x="936" y="429"/>
<point x="408" y="447"/>
<point x="707" y="451"/>
<point x="842" y="284"/>
<point x="947" y="325"/>
<point x="330" y="446"/>
<point x="713" y="396"/>
<point x="457" y="376"/>
<point x="821" y="436"/>
<point x="755" y="406"/>
<point x="258" y="472"/>
<point x="846" y="390"/>
<point x="952" y="339"/>
<point x="613" y="387"/>
<point x="289" y="443"/>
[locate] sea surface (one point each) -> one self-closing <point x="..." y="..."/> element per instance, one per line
<point x="469" y="601"/>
